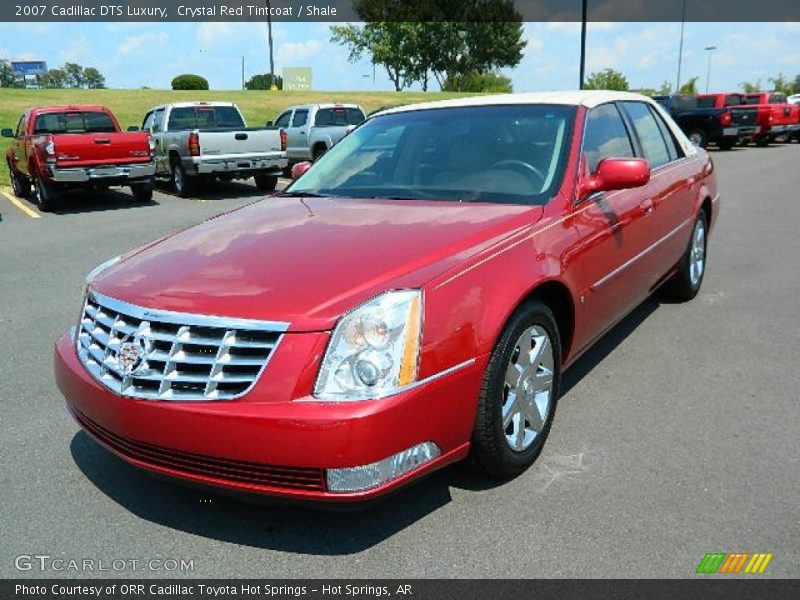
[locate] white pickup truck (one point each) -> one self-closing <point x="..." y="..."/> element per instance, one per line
<point x="312" y="129"/>
<point x="210" y="139"/>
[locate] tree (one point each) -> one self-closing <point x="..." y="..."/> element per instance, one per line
<point x="665" y="89"/>
<point x="54" y="79"/>
<point x="479" y="82"/>
<point x="690" y="87"/>
<point x="189" y="82"/>
<point x="609" y="79"/>
<point x="7" y="78"/>
<point x="93" y="78"/>
<point x="74" y="75"/>
<point x="264" y="81"/>
<point x="796" y="85"/>
<point x="751" y="88"/>
<point x="413" y="39"/>
<point x="782" y="85"/>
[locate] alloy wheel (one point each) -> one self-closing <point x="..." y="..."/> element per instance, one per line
<point x="697" y="257"/>
<point x="528" y="388"/>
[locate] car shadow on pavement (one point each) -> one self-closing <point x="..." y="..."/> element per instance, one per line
<point x="74" y="203"/>
<point x="213" y="190"/>
<point x="251" y="521"/>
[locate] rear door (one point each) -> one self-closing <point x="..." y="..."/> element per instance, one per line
<point x="297" y="136"/>
<point x="613" y="228"/>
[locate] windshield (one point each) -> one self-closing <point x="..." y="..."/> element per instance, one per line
<point x="513" y="154"/>
<point x="204" y="117"/>
<point x="74" y="122"/>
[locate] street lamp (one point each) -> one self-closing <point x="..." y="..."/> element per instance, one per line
<point x="710" y="50"/>
<point x="584" y="18"/>
<point x="680" y="49"/>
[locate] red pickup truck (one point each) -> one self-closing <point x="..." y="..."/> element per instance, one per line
<point x="776" y="116"/>
<point x="63" y="147"/>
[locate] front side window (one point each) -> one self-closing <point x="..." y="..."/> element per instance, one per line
<point x="512" y="154"/>
<point x="605" y="136"/>
<point x="74" y="122"/>
<point x="644" y="123"/>
<point x="283" y="120"/>
<point x="22" y="126"/>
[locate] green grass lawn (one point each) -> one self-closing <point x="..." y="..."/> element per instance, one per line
<point x="130" y="105"/>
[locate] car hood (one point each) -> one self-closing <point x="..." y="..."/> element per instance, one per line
<point x="306" y="261"/>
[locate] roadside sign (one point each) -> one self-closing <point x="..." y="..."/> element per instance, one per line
<point x="24" y="68"/>
<point x="297" y="79"/>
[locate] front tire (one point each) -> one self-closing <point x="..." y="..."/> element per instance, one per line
<point x="686" y="283"/>
<point x="519" y="393"/>
<point x="19" y="184"/>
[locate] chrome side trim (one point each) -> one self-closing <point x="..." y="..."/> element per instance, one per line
<point x="642" y="254"/>
<point x="409" y="387"/>
<point x="179" y="318"/>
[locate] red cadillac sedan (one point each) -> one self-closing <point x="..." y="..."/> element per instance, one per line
<point x="410" y="300"/>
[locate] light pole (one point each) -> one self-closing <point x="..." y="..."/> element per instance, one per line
<point x="710" y="50"/>
<point x="584" y="18"/>
<point x="680" y="49"/>
<point x="272" y="86"/>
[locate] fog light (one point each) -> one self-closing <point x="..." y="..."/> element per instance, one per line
<point x="365" y="477"/>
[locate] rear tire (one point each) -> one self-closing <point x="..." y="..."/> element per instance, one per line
<point x="699" y="138"/>
<point x="181" y="183"/>
<point x="686" y="283"/>
<point x="142" y="192"/>
<point x="266" y="183"/>
<point x="519" y="392"/>
<point x="46" y="194"/>
<point x="19" y="184"/>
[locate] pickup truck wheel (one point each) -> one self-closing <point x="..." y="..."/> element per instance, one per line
<point x="727" y="144"/>
<point x="686" y="283"/>
<point x="142" y="192"/>
<point x="46" y="194"/>
<point x="19" y="184"/>
<point x="266" y="183"/>
<point x="763" y="141"/>
<point x="180" y="181"/>
<point x="518" y="395"/>
<point x="699" y="138"/>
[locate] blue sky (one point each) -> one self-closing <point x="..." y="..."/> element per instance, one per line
<point x="133" y="55"/>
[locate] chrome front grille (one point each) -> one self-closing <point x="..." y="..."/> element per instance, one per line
<point x="163" y="355"/>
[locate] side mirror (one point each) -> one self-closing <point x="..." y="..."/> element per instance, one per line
<point x="299" y="169"/>
<point x="268" y="124"/>
<point x="616" y="174"/>
<point x="9" y="133"/>
<point x="133" y="128"/>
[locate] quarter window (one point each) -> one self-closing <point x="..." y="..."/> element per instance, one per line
<point x="606" y="136"/>
<point x="644" y="123"/>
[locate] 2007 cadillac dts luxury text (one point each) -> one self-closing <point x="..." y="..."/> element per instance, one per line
<point x="411" y="299"/>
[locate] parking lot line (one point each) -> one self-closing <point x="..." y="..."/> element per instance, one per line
<point x="11" y="198"/>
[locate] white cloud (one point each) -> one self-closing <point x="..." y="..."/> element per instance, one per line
<point x="291" y="52"/>
<point x="134" y="45"/>
<point x="211" y="32"/>
<point x="78" y="51"/>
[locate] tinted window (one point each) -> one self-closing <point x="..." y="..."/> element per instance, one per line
<point x="512" y="154"/>
<point x="644" y="123"/>
<point x="283" y="120"/>
<point x="205" y="117"/>
<point x="158" y="120"/>
<point x="300" y="118"/>
<point x="777" y="99"/>
<point x="706" y="102"/>
<point x="734" y="100"/>
<point x="147" y="124"/>
<point x="74" y="122"/>
<point x="605" y="137"/>
<point x="338" y="117"/>
<point x="752" y="99"/>
<point x="673" y="148"/>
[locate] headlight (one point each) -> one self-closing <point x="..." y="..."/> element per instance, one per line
<point x="100" y="268"/>
<point x="374" y="350"/>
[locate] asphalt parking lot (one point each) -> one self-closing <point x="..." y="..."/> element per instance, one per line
<point x="677" y="435"/>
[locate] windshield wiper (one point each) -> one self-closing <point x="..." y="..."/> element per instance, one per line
<point x="301" y="195"/>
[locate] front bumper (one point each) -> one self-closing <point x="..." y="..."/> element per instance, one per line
<point x="258" y="444"/>
<point x="116" y="173"/>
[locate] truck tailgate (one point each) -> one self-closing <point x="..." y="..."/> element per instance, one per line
<point x="239" y="143"/>
<point x="97" y="149"/>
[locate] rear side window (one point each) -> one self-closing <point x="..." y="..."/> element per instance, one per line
<point x="205" y="117"/>
<point x="706" y="102"/>
<point x="777" y="99"/>
<point x="734" y="100"/>
<point x="283" y="120"/>
<point x="644" y="123"/>
<point x="300" y="118"/>
<point x="338" y="117"/>
<point x="74" y="122"/>
<point x="158" y="120"/>
<point x="605" y="136"/>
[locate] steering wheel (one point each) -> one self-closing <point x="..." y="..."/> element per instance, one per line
<point x="521" y="167"/>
